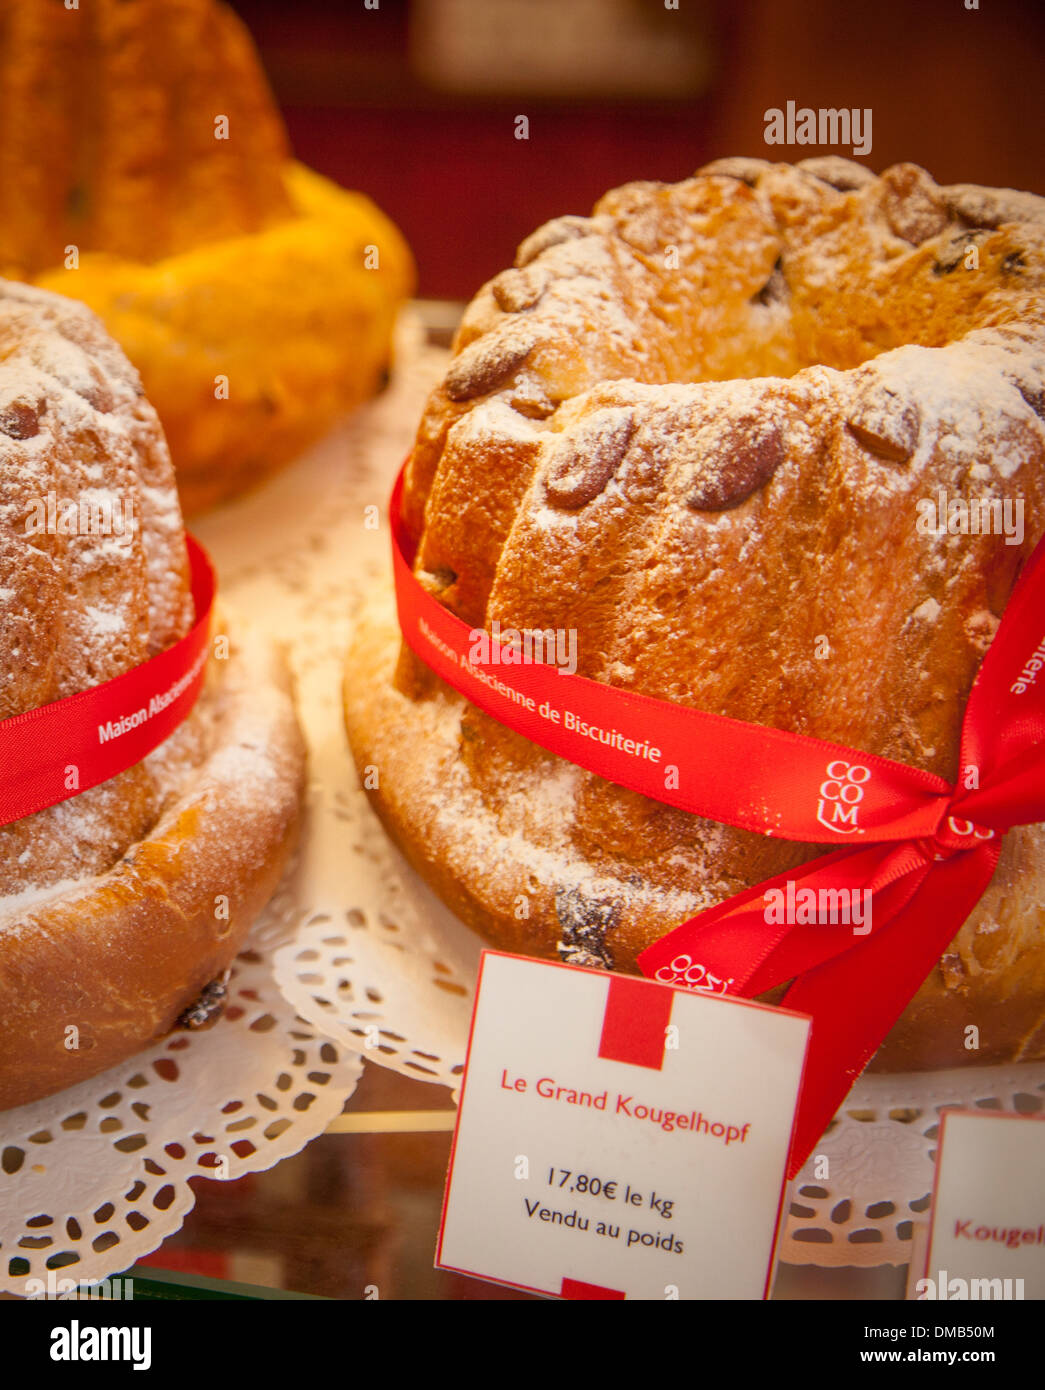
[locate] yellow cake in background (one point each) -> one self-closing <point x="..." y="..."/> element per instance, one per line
<point x="148" y="174"/>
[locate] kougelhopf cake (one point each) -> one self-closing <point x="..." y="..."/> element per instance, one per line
<point x="699" y="429"/>
<point x="121" y="905"/>
<point x="107" y="114"/>
<point x="148" y="173"/>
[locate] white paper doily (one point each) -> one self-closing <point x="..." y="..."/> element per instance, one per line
<point x="97" y="1176"/>
<point x="881" y="1153"/>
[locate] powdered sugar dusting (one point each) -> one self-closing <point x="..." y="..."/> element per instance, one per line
<point x="93" y="574"/>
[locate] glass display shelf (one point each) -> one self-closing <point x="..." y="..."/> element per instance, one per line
<point x="356" y="1216"/>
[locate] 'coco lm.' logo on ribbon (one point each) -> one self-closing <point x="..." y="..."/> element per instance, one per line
<point x="56" y="751"/>
<point x="925" y="849"/>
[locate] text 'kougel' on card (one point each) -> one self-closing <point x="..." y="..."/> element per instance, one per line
<point x="988" y="1224"/>
<point x="619" y="1138"/>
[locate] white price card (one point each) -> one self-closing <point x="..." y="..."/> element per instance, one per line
<point x="619" y="1138"/>
<point x="988" y="1222"/>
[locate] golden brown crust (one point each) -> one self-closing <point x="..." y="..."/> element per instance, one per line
<point x="697" y="431"/>
<point x="93" y="971"/>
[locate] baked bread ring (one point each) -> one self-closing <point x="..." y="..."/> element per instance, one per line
<point x="94" y="970"/>
<point x="696" y="430"/>
<point x="120" y="905"/>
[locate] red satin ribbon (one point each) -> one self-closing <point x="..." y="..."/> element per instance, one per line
<point x="45" y="749"/>
<point x="924" y="849"/>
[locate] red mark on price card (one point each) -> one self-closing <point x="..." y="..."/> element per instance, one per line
<point x="635" y="1025"/>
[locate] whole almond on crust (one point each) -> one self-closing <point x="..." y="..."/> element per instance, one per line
<point x="517" y="290"/>
<point x="739" y="465"/>
<point x="845" y="175"/>
<point x="885" y="424"/>
<point x="552" y="234"/>
<point x="583" y="465"/>
<point x="485" y="364"/>
<point x="20" y="420"/>
<point x="748" y="171"/>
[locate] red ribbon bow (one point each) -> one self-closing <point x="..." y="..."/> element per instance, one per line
<point x="924" y="850"/>
<point x="923" y="885"/>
